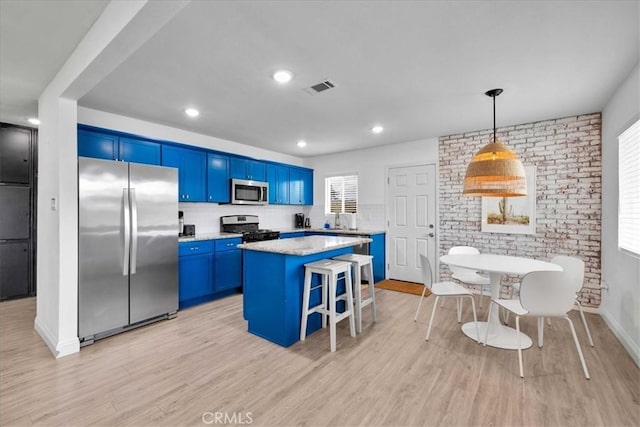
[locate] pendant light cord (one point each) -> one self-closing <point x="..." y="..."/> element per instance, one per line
<point x="494" y="118"/>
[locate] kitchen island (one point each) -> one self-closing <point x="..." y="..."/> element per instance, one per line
<point x="273" y="277"/>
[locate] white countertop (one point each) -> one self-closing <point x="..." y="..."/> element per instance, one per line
<point x="355" y="232"/>
<point x="302" y="246"/>
<point x="219" y="235"/>
<point x="208" y="236"/>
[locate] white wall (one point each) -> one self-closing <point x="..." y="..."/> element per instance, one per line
<point x="370" y="165"/>
<point x="57" y="250"/>
<point x="620" y="306"/>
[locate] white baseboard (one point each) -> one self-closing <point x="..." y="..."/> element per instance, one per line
<point x="624" y="338"/>
<point x="59" y="349"/>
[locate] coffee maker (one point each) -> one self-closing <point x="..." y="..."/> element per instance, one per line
<point x="299" y="220"/>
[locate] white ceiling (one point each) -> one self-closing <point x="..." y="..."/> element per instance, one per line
<point x="419" y="68"/>
<point x="36" y="38"/>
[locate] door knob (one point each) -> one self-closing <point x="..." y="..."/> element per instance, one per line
<point x="431" y="234"/>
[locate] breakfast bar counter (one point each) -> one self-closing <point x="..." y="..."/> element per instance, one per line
<point x="273" y="277"/>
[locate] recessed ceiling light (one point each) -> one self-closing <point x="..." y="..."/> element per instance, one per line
<point x="377" y="129"/>
<point x="283" y="76"/>
<point x="192" y="112"/>
<point x="302" y="143"/>
<point x="34" y="121"/>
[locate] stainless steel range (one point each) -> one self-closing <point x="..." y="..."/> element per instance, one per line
<point x="248" y="226"/>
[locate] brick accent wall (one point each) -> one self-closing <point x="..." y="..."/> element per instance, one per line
<point x="567" y="156"/>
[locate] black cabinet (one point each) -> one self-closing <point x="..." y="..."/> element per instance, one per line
<point x="17" y="211"/>
<point x="14" y="270"/>
<point x="15" y="218"/>
<point x="15" y="156"/>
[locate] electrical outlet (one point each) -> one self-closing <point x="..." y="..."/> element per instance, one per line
<point x="604" y="285"/>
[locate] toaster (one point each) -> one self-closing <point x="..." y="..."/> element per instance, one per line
<point x="189" y="230"/>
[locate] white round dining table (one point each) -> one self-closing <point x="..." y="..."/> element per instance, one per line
<point x="496" y="266"/>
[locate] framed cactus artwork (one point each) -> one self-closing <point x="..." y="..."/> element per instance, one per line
<point x="513" y="215"/>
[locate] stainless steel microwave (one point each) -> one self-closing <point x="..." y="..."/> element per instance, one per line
<point x="245" y="192"/>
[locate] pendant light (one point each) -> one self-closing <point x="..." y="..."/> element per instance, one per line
<point x="495" y="171"/>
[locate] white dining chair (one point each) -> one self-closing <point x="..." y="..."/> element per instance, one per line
<point x="542" y="294"/>
<point x="573" y="273"/>
<point x="468" y="276"/>
<point x="443" y="290"/>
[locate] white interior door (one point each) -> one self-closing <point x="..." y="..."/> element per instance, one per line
<point x="411" y="216"/>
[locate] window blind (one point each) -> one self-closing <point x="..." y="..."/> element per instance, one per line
<point x="629" y="190"/>
<point x="341" y="194"/>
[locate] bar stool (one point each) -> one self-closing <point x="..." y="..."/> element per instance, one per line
<point x="329" y="270"/>
<point x="361" y="264"/>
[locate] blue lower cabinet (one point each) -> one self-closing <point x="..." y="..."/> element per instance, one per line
<point x="292" y="234"/>
<point x="195" y="278"/>
<point x="228" y="265"/>
<point x="272" y="294"/>
<point x="208" y="269"/>
<point x="376" y="248"/>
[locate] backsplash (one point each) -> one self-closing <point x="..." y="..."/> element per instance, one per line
<point x="369" y="217"/>
<point x="206" y="216"/>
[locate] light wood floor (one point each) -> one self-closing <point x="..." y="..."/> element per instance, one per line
<point x="204" y="361"/>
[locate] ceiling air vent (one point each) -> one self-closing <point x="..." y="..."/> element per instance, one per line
<point x="320" y="87"/>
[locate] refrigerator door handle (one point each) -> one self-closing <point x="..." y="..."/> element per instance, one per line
<point x="127" y="231"/>
<point x="134" y="230"/>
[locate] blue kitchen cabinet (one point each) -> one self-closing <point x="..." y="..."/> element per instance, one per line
<point x="192" y="171"/>
<point x="278" y="179"/>
<point x="377" y="249"/>
<point x="292" y="234"/>
<point x="306" y="176"/>
<point x="218" y="186"/>
<point x="139" y="151"/>
<point x="195" y="272"/>
<point x="241" y="168"/>
<point x="300" y="186"/>
<point x="228" y="264"/>
<point x="97" y="145"/>
<point x="295" y="186"/>
<point x="113" y="147"/>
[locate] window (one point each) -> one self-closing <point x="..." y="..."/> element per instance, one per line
<point x="629" y="190"/>
<point x="341" y="194"/>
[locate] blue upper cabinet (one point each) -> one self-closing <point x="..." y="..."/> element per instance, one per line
<point x="278" y="179"/>
<point x="112" y="147"/>
<point x="253" y="170"/>
<point x="203" y="175"/>
<point x="218" y="186"/>
<point x="139" y="151"/>
<point x="306" y="176"/>
<point x="300" y="186"/>
<point x="295" y="186"/>
<point x="97" y="145"/>
<point x="192" y="172"/>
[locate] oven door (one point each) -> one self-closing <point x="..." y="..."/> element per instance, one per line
<point x="244" y="192"/>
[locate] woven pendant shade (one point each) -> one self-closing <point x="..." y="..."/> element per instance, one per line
<point x="495" y="171"/>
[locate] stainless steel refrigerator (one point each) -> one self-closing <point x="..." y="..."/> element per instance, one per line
<point x="127" y="246"/>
